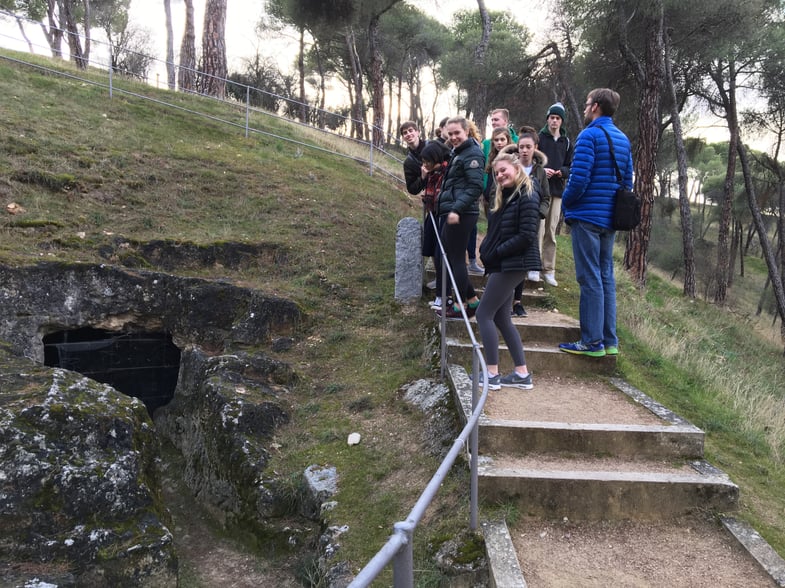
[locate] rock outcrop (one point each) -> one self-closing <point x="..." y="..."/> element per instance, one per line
<point x="214" y="315"/>
<point x="222" y="419"/>
<point x="79" y="497"/>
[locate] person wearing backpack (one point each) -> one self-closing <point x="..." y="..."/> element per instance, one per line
<point x="588" y="203"/>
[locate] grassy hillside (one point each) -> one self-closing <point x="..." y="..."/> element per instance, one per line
<point x="89" y="169"/>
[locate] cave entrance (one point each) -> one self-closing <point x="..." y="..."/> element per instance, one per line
<point x="142" y="365"/>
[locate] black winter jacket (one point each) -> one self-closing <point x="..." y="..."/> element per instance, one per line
<point x="462" y="186"/>
<point x="540" y="160"/>
<point x="412" y="170"/>
<point x="559" y="152"/>
<point x="511" y="243"/>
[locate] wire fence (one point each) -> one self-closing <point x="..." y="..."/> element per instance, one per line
<point x="242" y="98"/>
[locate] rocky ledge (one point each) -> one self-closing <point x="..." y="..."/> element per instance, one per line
<point x="79" y="497"/>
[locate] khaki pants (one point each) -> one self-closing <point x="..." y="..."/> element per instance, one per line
<point x="547" y="236"/>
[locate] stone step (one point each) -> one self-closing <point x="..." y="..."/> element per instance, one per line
<point x="478" y="282"/>
<point x="579" y="416"/>
<point x="594" y="489"/>
<point x="541" y="358"/>
<point x="541" y="325"/>
<point x="688" y="551"/>
<point x="530" y="300"/>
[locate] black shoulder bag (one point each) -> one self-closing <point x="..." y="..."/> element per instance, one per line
<point x="627" y="204"/>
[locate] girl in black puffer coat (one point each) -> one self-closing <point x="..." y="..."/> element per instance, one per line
<point x="508" y="252"/>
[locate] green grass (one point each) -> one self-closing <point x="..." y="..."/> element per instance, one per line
<point x="90" y="170"/>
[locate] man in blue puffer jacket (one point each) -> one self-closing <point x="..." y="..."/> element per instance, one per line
<point x="588" y="201"/>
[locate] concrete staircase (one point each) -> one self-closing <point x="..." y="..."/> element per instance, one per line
<point x="583" y="445"/>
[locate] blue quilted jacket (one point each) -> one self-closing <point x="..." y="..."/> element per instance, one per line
<point x="590" y="190"/>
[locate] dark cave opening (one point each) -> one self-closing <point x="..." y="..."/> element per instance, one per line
<point x="142" y="365"/>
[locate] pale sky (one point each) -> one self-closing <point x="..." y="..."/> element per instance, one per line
<point x="242" y="17"/>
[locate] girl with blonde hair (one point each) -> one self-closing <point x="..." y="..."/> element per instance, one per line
<point x="508" y="251"/>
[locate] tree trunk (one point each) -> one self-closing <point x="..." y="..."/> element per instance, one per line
<point x="768" y="251"/>
<point x="687" y="237"/>
<point x="322" y="85"/>
<point x="377" y="82"/>
<point x="398" y="104"/>
<point x="301" y="73"/>
<point x="214" y="49"/>
<point x="636" y="253"/>
<point x="477" y="99"/>
<point x="187" y="73"/>
<point x="87" y="35"/>
<point x="170" y="77"/>
<point x="24" y="34"/>
<point x="72" y="31"/>
<point x="723" y="257"/>
<point x="54" y="35"/>
<point x="735" y="239"/>
<point x="358" y="109"/>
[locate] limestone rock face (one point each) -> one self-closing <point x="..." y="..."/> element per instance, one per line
<point x="222" y="419"/>
<point x="215" y="315"/>
<point x="78" y="491"/>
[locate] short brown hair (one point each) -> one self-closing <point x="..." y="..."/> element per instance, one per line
<point x="608" y="100"/>
<point x="409" y="124"/>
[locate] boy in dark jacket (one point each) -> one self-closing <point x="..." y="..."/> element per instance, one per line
<point x="556" y="145"/>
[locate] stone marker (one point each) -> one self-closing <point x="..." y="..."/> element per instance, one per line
<point x="408" y="261"/>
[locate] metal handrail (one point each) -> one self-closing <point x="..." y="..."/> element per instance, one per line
<point x="399" y="549"/>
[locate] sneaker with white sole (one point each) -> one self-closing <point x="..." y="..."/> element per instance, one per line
<point x="533" y="276"/>
<point x="493" y="382"/>
<point x="437" y="304"/>
<point x="550" y="279"/>
<point x="513" y="380"/>
<point x="474" y="268"/>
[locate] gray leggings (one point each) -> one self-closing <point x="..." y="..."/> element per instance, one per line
<point x="494" y="311"/>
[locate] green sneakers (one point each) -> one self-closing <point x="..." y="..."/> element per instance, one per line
<point x="580" y="348"/>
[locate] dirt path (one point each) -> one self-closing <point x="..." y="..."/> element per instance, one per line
<point x="689" y="552"/>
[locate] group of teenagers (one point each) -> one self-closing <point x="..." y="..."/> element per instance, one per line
<point x="522" y="180"/>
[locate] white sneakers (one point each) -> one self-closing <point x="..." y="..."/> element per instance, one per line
<point x="548" y="277"/>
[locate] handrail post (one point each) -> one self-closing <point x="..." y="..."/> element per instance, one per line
<point x="370" y="157"/>
<point x="474" y="441"/>
<point x="443" y="317"/>
<point x="403" y="564"/>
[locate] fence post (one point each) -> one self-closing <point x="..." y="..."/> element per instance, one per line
<point x="403" y="564"/>
<point x="111" y="69"/>
<point x="370" y="157"/>
<point x="443" y="317"/>
<point x="247" y="108"/>
<point x="474" y="441"/>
